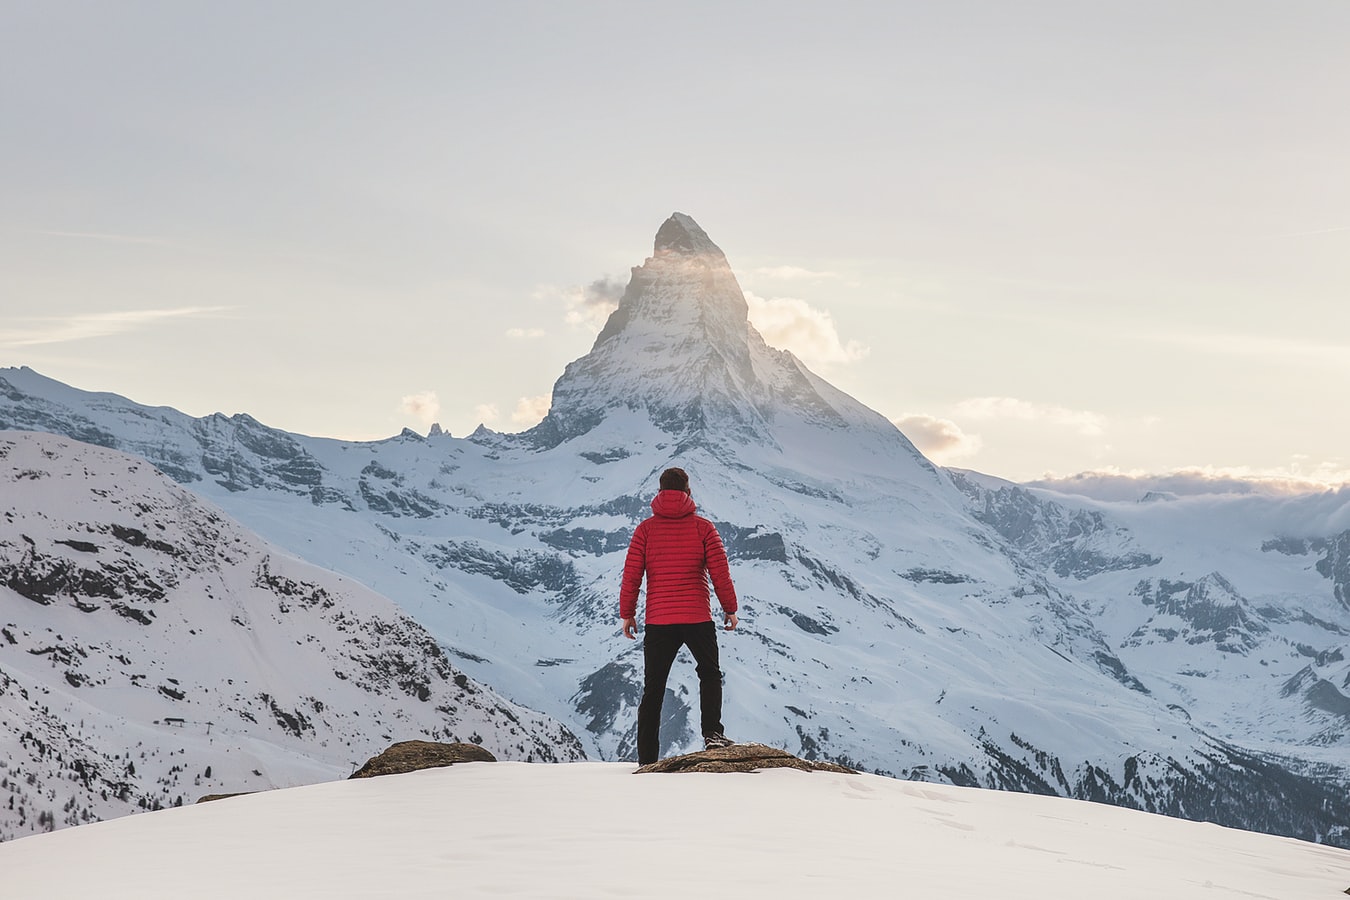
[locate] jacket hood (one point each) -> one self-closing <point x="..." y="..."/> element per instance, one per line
<point x="673" y="504"/>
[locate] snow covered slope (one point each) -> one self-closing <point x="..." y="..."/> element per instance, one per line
<point x="896" y="616"/>
<point x="1236" y="609"/>
<point x="153" y="651"/>
<point x="589" y="830"/>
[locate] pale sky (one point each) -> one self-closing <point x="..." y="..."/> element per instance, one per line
<point x="1045" y="237"/>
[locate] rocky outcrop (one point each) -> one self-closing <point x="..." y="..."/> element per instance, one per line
<point x="741" y="758"/>
<point x="409" y="756"/>
<point x="1210" y="610"/>
<point x="1072" y="543"/>
<point x="1335" y="561"/>
<point x="210" y="798"/>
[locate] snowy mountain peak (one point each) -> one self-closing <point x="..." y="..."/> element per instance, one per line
<point x="685" y="290"/>
<point x="681" y="353"/>
<point x="680" y="235"/>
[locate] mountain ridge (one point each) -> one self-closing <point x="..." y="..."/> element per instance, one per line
<point x="680" y="346"/>
<point x="150" y="648"/>
<point x="898" y="617"/>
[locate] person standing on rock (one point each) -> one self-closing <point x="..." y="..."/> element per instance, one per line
<point x="679" y="553"/>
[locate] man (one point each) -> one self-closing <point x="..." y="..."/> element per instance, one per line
<point x="679" y="552"/>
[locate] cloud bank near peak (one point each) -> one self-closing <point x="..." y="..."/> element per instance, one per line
<point x="424" y="406"/>
<point x="807" y="332"/>
<point x="941" y="440"/>
<point x="1115" y="485"/>
<point x="1085" y="422"/>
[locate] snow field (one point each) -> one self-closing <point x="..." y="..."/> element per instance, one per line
<point x="595" y="830"/>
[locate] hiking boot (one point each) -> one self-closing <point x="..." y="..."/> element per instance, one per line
<point x="713" y="741"/>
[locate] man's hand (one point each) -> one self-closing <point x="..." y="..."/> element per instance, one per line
<point x="732" y="621"/>
<point x="629" y="628"/>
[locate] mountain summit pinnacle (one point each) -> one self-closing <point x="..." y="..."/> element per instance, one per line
<point x="685" y="289"/>
<point x="681" y="235"/>
<point x="680" y="352"/>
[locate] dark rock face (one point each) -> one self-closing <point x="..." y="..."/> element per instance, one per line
<point x="409" y="756"/>
<point x="755" y="542"/>
<point x="1072" y="543"/>
<point x="1322" y="696"/>
<point x="614" y="691"/>
<point x="209" y="798"/>
<point x="1209" y="610"/>
<point x="606" y="692"/>
<point x="1334" y="564"/>
<point x="740" y="758"/>
<point x="522" y="571"/>
<point x="1222" y="784"/>
<point x="682" y="236"/>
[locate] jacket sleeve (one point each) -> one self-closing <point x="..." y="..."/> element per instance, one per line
<point x="715" y="555"/>
<point x="634" y="565"/>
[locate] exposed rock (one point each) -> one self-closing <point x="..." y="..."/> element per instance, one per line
<point x="409" y="756"/>
<point x="210" y="797"/>
<point x="1073" y="543"/>
<point x="741" y="758"/>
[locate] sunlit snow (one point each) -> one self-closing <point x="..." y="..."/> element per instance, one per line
<point x="591" y="830"/>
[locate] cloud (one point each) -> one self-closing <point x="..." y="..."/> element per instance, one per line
<point x="1114" y="484"/>
<point x="105" y="236"/>
<point x="941" y="440"/>
<point x="809" y="333"/>
<point x="531" y="410"/>
<point x="486" y="413"/>
<point x="64" y="329"/>
<point x="794" y="273"/>
<point x="1086" y="423"/>
<point x="587" y="306"/>
<point x="424" y="406"/>
<point x="1336" y="229"/>
<point x="1290" y="351"/>
<point x="523" y="334"/>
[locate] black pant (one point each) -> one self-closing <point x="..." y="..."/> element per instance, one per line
<point x="660" y="644"/>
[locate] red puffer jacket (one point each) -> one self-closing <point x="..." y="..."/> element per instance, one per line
<point x="679" y="552"/>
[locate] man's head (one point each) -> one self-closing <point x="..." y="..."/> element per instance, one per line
<point x="675" y="480"/>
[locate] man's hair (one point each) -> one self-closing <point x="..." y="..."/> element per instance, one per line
<point x="674" y="480"/>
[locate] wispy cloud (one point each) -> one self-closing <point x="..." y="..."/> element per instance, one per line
<point x="1086" y="423"/>
<point x="1115" y="484"/>
<point x="1313" y="232"/>
<point x="424" y="406"/>
<point x="809" y="333"/>
<point x="585" y="306"/>
<point x="941" y="440"/>
<point x="487" y="413"/>
<point x="28" y="332"/>
<point x="525" y="334"/>
<point x="794" y="273"/>
<point x="1288" y="350"/>
<point x="531" y="410"/>
<point x="105" y="236"/>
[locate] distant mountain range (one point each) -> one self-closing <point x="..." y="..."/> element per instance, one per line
<point x="1186" y="657"/>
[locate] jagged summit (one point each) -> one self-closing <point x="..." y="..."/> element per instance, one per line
<point x="681" y="235"/>
<point x="686" y="289"/>
<point x="681" y="349"/>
